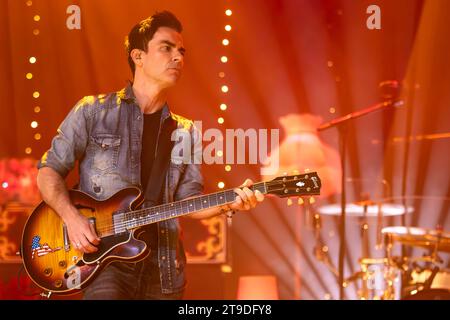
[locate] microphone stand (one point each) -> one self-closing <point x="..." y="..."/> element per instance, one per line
<point x="341" y="124"/>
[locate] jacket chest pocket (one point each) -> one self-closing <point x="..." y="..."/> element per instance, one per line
<point x="105" y="151"/>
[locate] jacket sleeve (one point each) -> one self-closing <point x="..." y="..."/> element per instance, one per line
<point x="69" y="144"/>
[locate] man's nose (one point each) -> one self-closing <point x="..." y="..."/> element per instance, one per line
<point x="178" y="57"/>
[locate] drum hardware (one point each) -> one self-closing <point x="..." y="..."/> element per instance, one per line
<point x="420" y="280"/>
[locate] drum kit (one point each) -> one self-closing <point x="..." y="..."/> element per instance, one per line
<point x="397" y="276"/>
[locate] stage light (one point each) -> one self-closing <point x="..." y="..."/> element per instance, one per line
<point x="228" y="12"/>
<point x="228" y="27"/>
<point x="36" y="94"/>
<point x="28" y="150"/>
<point x="223" y="107"/>
<point x="221" y="185"/>
<point x="32" y="60"/>
<point x="225" y="42"/>
<point x="36" y="18"/>
<point x="257" y="288"/>
<point x="221" y="74"/>
<point x="228" y="168"/>
<point x="37" y="109"/>
<point x="34" y="124"/>
<point x="37" y="136"/>
<point x="219" y="153"/>
<point x="5" y="185"/>
<point x="226" y="268"/>
<point x="224" y="89"/>
<point x="29" y="75"/>
<point x="36" y="32"/>
<point x="224" y="59"/>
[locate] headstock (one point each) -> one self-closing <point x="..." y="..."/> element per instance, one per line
<point x="307" y="184"/>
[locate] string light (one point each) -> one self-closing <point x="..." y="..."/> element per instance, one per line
<point x="28" y="150"/>
<point x="36" y="94"/>
<point x="5" y="185"/>
<point x="29" y="75"/>
<point x="36" y="18"/>
<point x="29" y="3"/>
<point x="34" y="124"/>
<point x="32" y="60"/>
<point x="224" y="89"/>
<point x="35" y="32"/>
<point x="37" y="136"/>
<point x="332" y="110"/>
<point x="37" y="109"/>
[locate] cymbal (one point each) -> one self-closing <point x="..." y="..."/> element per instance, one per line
<point x="357" y="210"/>
<point x="425" y="238"/>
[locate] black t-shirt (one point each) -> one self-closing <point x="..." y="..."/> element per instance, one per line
<point x="149" y="143"/>
<point x="149" y="136"/>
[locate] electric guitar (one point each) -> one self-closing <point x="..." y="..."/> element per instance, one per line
<point x="57" y="266"/>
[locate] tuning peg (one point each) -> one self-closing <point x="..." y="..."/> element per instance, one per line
<point x="307" y="170"/>
<point x="289" y="201"/>
<point x="285" y="173"/>
<point x="312" y="200"/>
<point x="300" y="201"/>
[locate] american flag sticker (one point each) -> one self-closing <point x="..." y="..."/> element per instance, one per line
<point x="40" y="250"/>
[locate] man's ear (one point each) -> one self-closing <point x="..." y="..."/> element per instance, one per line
<point x="136" y="55"/>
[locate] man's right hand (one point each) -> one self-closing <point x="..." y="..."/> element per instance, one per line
<point x="82" y="234"/>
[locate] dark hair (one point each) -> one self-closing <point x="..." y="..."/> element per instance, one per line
<point x="143" y="32"/>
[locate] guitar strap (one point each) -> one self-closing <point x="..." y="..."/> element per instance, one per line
<point x="153" y="194"/>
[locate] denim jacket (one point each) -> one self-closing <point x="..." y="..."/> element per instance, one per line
<point x="104" y="133"/>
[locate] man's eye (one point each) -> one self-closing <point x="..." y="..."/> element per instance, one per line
<point x="166" y="48"/>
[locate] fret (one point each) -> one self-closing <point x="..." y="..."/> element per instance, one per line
<point x="221" y="198"/>
<point x="191" y="206"/>
<point x="212" y="200"/>
<point x="178" y="208"/>
<point x="205" y="202"/>
<point x="230" y="195"/>
<point x="184" y="206"/>
<point x="197" y="204"/>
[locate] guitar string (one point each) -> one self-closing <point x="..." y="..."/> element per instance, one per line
<point x="140" y="219"/>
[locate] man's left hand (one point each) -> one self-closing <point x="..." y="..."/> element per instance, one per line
<point x="246" y="199"/>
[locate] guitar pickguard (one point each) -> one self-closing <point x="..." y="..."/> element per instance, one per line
<point x="107" y="244"/>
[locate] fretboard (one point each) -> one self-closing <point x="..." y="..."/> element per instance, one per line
<point x="142" y="217"/>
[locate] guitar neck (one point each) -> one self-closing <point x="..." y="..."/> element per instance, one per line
<point x="142" y="217"/>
